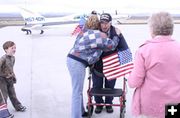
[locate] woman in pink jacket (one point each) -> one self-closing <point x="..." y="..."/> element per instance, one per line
<point x="156" y="73"/>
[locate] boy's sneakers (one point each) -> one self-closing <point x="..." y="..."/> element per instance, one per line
<point x="21" y="108"/>
<point x="98" y="109"/>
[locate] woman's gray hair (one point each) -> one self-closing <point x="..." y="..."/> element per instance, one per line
<point x="161" y="23"/>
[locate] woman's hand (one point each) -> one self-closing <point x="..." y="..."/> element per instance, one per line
<point x="103" y="35"/>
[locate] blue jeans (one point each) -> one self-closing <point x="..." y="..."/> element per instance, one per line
<point x="77" y="72"/>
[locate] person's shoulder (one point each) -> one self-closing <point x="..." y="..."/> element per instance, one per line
<point x="117" y="30"/>
<point x="3" y="58"/>
<point x="144" y="44"/>
<point x="13" y="56"/>
<point x="94" y="34"/>
<point x="91" y="31"/>
<point x="99" y="33"/>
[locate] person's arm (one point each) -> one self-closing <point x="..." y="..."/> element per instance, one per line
<point x="1" y="63"/>
<point x="109" y="44"/>
<point x="3" y="67"/>
<point x="136" y="77"/>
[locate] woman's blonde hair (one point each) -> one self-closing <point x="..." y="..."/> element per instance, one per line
<point x="161" y="24"/>
<point x="92" y="22"/>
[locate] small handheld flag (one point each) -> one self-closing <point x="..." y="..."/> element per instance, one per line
<point x="117" y="64"/>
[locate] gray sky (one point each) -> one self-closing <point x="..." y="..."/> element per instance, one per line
<point x="83" y="5"/>
<point x="99" y="3"/>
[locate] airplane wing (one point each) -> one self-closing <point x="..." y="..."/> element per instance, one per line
<point x="35" y="21"/>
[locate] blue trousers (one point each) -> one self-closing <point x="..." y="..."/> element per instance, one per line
<point x="98" y="83"/>
<point x="77" y="73"/>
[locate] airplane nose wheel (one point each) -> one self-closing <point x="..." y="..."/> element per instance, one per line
<point x="41" y="32"/>
<point x="28" y="32"/>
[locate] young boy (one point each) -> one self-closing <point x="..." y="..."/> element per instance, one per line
<point x="7" y="76"/>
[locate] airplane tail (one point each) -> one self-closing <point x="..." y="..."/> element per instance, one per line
<point x="31" y="17"/>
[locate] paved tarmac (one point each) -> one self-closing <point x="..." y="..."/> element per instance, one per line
<point x="43" y="84"/>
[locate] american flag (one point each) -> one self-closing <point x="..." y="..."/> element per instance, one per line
<point x="4" y="112"/>
<point x="77" y="30"/>
<point x="3" y="107"/>
<point x="117" y="64"/>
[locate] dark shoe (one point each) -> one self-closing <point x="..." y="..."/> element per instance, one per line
<point x="98" y="109"/>
<point x="21" y="108"/>
<point x="109" y="109"/>
<point x="10" y="116"/>
<point x="85" y="114"/>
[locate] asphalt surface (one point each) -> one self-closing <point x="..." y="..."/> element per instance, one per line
<point x="43" y="81"/>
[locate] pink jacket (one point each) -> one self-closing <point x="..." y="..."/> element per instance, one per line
<point x="156" y="76"/>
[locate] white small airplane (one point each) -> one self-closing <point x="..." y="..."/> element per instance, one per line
<point x="35" y="21"/>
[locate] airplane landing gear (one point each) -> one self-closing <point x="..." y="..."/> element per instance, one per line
<point x="28" y="32"/>
<point x="41" y="32"/>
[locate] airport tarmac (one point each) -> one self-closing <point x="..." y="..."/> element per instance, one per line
<point x="44" y="84"/>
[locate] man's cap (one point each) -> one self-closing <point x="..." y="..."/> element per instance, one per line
<point x="105" y="17"/>
<point x="94" y="12"/>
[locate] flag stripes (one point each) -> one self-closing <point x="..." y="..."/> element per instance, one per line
<point x="3" y="107"/>
<point x="117" y="64"/>
<point x="77" y="30"/>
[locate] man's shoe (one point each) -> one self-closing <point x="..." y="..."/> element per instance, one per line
<point x="85" y="114"/>
<point x="109" y="109"/>
<point x="98" y="109"/>
<point x="21" y="108"/>
<point x="10" y="116"/>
